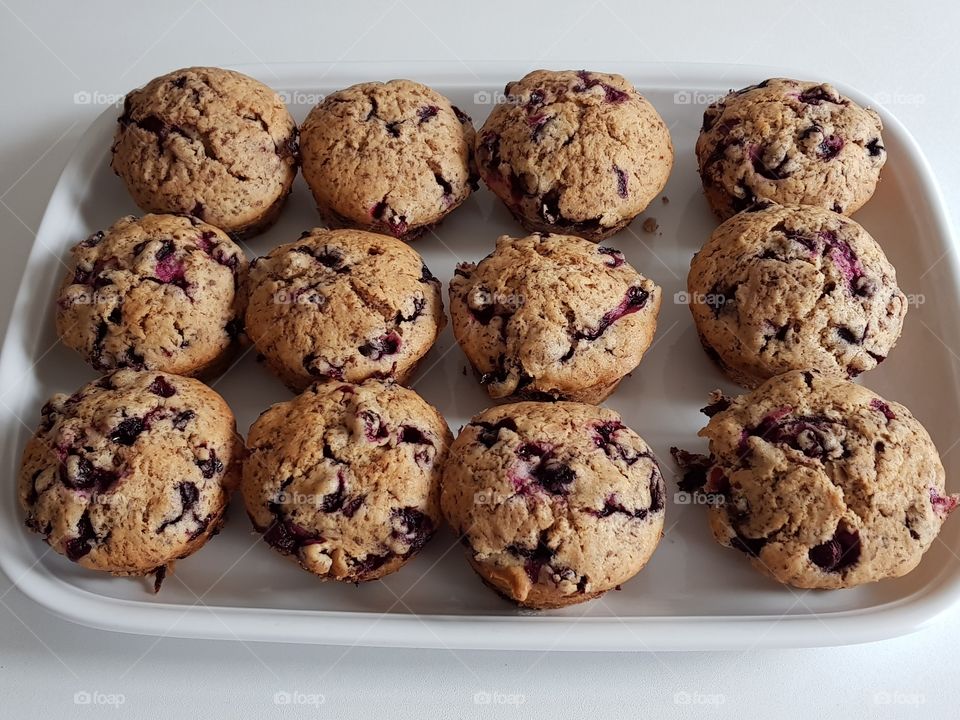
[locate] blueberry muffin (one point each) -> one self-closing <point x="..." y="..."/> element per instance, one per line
<point x="391" y="157"/>
<point x="820" y="482"/>
<point x="790" y="142"/>
<point x="161" y="292"/>
<point x="132" y="472"/>
<point x="576" y="153"/>
<point x="210" y="142"/>
<point x="343" y="305"/>
<point x="345" y="479"/>
<point x="557" y="503"/>
<point x="782" y="288"/>
<point x="550" y="317"/>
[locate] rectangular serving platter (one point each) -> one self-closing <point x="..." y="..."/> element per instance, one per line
<point x="693" y="594"/>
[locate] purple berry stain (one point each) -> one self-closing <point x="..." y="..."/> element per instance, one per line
<point x="127" y="431"/>
<point x="614" y="257"/>
<point x="875" y="147"/>
<point x="86" y="476"/>
<point x="374" y="429"/>
<point x="621" y="181"/>
<point x="881" y="407"/>
<point x="943" y="505"/>
<point x="79" y="546"/>
<point x="285" y="535"/>
<point x="535" y="558"/>
<point x="181" y="419"/>
<point x="169" y="268"/>
<point x="633" y="301"/>
<point x="427" y="112"/>
<point x="830" y="147"/>
<point x="694" y="468"/>
<point x="489" y="433"/>
<point x="837" y="553"/>
<point x="387" y="344"/>
<point x="610" y="93"/>
<point x="161" y="387"/>
<point x="210" y="466"/>
<point x="411" y="434"/>
<point x="412" y="526"/>
<point x="816" y="96"/>
<point x="554" y="476"/>
<point x="845" y="259"/>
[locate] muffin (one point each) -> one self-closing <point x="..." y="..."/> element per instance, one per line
<point x="550" y="317"/>
<point x="783" y="288"/>
<point x="821" y="483"/>
<point x="391" y="157"/>
<point x="557" y="503"/>
<point x="343" y="305"/>
<point x="576" y="153"/>
<point x="161" y="292"/>
<point x="792" y="142"/>
<point x="213" y="143"/>
<point x="345" y="479"/>
<point x="132" y="472"/>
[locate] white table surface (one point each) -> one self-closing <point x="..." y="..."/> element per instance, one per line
<point x="904" y="56"/>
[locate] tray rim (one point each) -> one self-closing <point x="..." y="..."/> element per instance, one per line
<point x="902" y="616"/>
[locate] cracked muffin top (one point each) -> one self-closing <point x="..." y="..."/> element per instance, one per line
<point x="161" y="292"/>
<point x="821" y="482"/>
<point x="343" y="305"/>
<point x="553" y="317"/>
<point x="345" y="478"/>
<point x="791" y="142"/>
<point x="780" y="288"/>
<point x="576" y="153"/>
<point x="213" y="143"/>
<point x="557" y="503"/>
<point x="391" y="157"/>
<point x="131" y="472"/>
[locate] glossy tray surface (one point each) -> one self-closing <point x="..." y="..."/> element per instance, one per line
<point x="693" y="594"/>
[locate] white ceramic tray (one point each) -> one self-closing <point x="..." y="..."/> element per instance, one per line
<point x="693" y="594"/>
